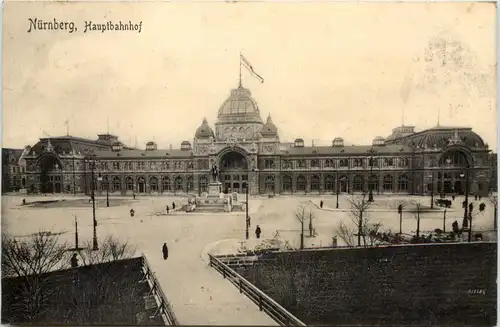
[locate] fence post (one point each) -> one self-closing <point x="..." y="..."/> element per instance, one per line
<point x="211" y="264"/>
<point x="241" y="290"/>
<point x="260" y="302"/>
<point x="224" y="271"/>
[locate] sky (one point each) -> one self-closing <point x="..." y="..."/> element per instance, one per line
<point x="352" y="70"/>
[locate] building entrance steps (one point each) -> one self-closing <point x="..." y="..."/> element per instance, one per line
<point x="199" y="295"/>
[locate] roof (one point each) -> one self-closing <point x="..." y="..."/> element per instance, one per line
<point x="346" y="150"/>
<point x="73" y="291"/>
<point x="12" y="154"/>
<point x="67" y="144"/>
<point x="440" y="137"/>
<point x="137" y="153"/>
<point x="240" y="105"/>
<point x="204" y="130"/>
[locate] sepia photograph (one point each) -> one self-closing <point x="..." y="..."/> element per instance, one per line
<point x="249" y="163"/>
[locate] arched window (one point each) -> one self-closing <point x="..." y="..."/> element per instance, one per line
<point x="105" y="183"/>
<point x="153" y="183"/>
<point x="129" y="182"/>
<point x="343" y="184"/>
<point x="315" y="183"/>
<point x="329" y="183"/>
<point x="190" y="184"/>
<point x="344" y="163"/>
<point x="329" y="163"/>
<point x="373" y="183"/>
<point x="178" y="183"/>
<point x="269" y="183"/>
<point x="357" y="183"/>
<point x="403" y="183"/>
<point x="388" y="180"/>
<point x="301" y="183"/>
<point x="166" y="185"/>
<point x="287" y="184"/>
<point x="117" y="184"/>
<point x="203" y="184"/>
<point x="141" y="184"/>
<point x="315" y="163"/>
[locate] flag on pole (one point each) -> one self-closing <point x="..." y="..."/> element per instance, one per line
<point x="246" y="63"/>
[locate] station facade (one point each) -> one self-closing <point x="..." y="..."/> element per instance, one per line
<point x="249" y="155"/>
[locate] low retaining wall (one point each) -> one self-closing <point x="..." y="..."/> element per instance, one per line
<point x="439" y="284"/>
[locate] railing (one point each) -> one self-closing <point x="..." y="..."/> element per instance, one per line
<point x="265" y="303"/>
<point x="163" y="305"/>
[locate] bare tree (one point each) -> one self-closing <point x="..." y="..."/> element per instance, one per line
<point x="418" y="207"/>
<point x="373" y="231"/>
<point x="28" y="260"/>
<point x="40" y="253"/>
<point x="346" y="234"/>
<point x="358" y="207"/>
<point x="301" y="215"/>
<point x="110" y="249"/>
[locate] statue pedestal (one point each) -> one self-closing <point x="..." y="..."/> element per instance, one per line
<point x="214" y="201"/>
<point x="214" y="189"/>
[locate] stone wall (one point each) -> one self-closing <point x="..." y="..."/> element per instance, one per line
<point x="445" y="284"/>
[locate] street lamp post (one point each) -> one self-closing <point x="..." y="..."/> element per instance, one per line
<point x="370" y="194"/>
<point x="337" y="182"/>
<point x="465" y="223"/>
<point x="431" y="175"/>
<point x="95" y="246"/>
<point x="247" y="217"/>
<point x="107" y="193"/>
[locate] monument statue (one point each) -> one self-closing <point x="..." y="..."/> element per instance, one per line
<point x="215" y="172"/>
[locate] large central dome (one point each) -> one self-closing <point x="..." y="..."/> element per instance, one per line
<point x="240" y="106"/>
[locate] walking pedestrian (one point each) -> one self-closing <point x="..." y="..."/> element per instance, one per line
<point x="258" y="231"/>
<point x="321" y="204"/>
<point x="168" y="209"/>
<point x="173" y="205"/>
<point x="165" y="251"/>
<point x="74" y="261"/>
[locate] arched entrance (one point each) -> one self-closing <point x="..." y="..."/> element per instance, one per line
<point x="454" y="172"/>
<point x="50" y="174"/>
<point x="233" y="170"/>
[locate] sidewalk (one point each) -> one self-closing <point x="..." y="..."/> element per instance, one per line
<point x="423" y="210"/>
<point x="199" y="295"/>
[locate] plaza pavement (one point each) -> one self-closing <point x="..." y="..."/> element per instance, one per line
<point x="198" y="294"/>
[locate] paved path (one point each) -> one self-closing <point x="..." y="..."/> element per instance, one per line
<point x="200" y="296"/>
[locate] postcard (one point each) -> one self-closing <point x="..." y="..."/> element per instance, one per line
<point x="249" y="163"/>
